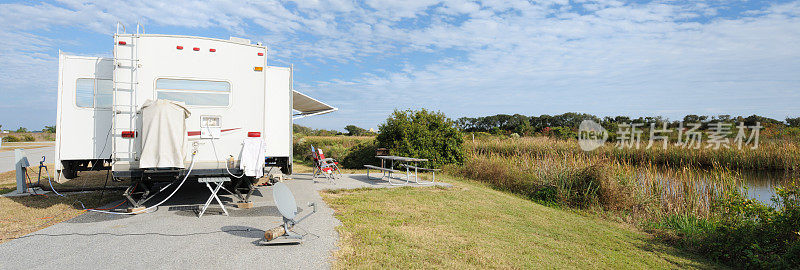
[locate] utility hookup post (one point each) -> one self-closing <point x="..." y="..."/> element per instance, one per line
<point x="473" y="137"/>
<point x="21" y="164"/>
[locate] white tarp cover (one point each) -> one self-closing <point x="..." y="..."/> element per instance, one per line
<point x="308" y="106"/>
<point x="164" y="136"/>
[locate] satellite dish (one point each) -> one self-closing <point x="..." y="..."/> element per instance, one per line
<point x="286" y="204"/>
<point x="284" y="200"/>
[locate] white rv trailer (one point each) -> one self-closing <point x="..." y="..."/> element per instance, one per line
<point x="226" y="84"/>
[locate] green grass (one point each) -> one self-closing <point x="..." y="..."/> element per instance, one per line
<point x="472" y="226"/>
<point x="7" y="189"/>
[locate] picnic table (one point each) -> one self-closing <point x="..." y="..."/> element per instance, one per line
<point x="387" y="171"/>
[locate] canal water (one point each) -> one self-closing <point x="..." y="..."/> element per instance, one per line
<point x="760" y="185"/>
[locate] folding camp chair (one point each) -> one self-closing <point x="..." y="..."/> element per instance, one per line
<point x="327" y="167"/>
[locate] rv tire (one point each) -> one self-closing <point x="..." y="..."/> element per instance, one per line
<point x="69" y="171"/>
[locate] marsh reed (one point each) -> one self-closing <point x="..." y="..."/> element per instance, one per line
<point x="559" y="172"/>
<point x="770" y="154"/>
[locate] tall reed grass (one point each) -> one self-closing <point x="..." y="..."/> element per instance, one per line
<point x="770" y="155"/>
<point x="588" y="181"/>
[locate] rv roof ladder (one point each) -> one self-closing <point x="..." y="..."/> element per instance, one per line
<point x="124" y="100"/>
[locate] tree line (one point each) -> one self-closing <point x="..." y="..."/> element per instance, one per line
<point x="46" y="129"/>
<point x="352" y="130"/>
<point x="529" y="125"/>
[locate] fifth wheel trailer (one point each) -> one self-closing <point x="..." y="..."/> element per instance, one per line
<point x="226" y="85"/>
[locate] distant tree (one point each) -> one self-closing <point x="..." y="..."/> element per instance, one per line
<point x="21" y="130"/>
<point x="49" y="129"/>
<point x="723" y="118"/>
<point x="466" y="124"/>
<point x="519" y="124"/>
<point x="353" y="130"/>
<point x="751" y="120"/>
<point x="302" y="130"/>
<point x="793" y="122"/>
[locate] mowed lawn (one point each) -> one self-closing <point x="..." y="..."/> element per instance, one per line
<point x="473" y="226"/>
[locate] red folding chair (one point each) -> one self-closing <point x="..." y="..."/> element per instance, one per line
<point x="327" y="167"/>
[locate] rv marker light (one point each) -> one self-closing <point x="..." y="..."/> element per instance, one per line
<point x="179" y="47"/>
<point x="261" y="54"/>
<point x="212" y="50"/>
<point x="253" y="134"/>
<point x="258" y="68"/>
<point x="122" y="42"/>
<point x="129" y="134"/>
<point x="196" y="48"/>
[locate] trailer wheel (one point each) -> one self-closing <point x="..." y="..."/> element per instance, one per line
<point x="69" y="171"/>
<point x="286" y="166"/>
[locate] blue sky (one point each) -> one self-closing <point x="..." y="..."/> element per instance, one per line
<point x="638" y="58"/>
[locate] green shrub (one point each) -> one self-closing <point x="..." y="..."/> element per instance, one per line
<point x="28" y="138"/>
<point x="422" y="134"/>
<point x="10" y="139"/>
<point x="360" y="155"/>
<point x="752" y="235"/>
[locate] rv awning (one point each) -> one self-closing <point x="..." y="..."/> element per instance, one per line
<point x="307" y="106"/>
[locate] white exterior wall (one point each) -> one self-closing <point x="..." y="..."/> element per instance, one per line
<point x="278" y="102"/>
<point x="232" y="62"/>
<point x="81" y="133"/>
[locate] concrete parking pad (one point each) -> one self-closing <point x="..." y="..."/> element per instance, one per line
<point x="173" y="237"/>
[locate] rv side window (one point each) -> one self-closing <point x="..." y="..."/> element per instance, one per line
<point x="194" y="92"/>
<point x="93" y="93"/>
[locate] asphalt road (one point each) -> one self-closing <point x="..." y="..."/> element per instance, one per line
<point x="173" y="237"/>
<point x="34" y="156"/>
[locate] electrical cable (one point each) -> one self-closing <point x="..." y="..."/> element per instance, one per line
<point x="188" y="172"/>
<point x="191" y="166"/>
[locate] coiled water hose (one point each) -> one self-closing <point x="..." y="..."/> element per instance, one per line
<point x="191" y="166"/>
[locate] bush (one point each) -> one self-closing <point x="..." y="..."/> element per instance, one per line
<point x="10" y="139"/>
<point x="360" y="155"/>
<point x="28" y="138"/>
<point x="750" y="234"/>
<point x="422" y="134"/>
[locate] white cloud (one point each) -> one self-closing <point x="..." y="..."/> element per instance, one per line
<point x="483" y="57"/>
